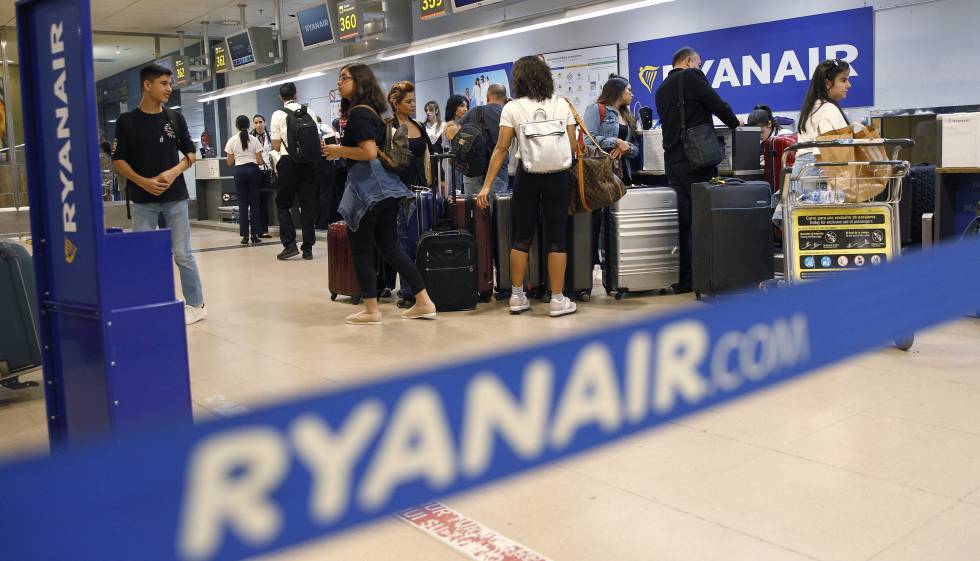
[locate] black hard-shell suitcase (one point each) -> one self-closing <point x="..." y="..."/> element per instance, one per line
<point x="732" y="236"/>
<point x="918" y="198"/>
<point x="20" y="349"/>
<point x="578" y="248"/>
<point x="447" y="261"/>
<point x="503" y="237"/>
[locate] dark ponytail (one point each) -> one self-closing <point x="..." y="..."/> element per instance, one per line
<point x="241" y="123"/>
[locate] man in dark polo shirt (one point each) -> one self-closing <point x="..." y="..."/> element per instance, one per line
<point x="153" y="149"/>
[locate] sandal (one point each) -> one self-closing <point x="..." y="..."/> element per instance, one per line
<point x="418" y="311"/>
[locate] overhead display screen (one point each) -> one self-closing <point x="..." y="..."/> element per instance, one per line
<point x="348" y="20"/>
<point x="181" y="77"/>
<point x="314" y="26"/>
<point x="461" y="5"/>
<point x="240" y="50"/>
<point x="220" y="57"/>
<point x="431" y="9"/>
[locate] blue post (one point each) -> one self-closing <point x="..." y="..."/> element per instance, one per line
<point x="112" y="335"/>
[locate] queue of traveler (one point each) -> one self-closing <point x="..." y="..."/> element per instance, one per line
<point x="373" y="193"/>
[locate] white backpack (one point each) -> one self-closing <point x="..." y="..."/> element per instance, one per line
<point x="543" y="140"/>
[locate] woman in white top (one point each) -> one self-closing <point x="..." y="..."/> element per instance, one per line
<point x="821" y="112"/>
<point x="262" y="135"/>
<point x="245" y="154"/>
<point x="535" y="194"/>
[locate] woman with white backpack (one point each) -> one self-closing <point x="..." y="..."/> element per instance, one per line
<point x="544" y="128"/>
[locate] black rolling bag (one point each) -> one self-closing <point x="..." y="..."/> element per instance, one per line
<point x="732" y="236"/>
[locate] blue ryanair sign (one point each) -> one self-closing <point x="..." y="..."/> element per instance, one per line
<point x="767" y="63"/>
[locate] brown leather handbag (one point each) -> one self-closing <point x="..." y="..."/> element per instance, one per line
<point x="595" y="182"/>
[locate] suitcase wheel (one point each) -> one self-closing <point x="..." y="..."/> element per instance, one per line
<point x="486" y="296"/>
<point x="333" y="297"/>
<point x="502" y="295"/>
<point x="585" y="296"/>
<point x="355" y="300"/>
<point x="620" y="295"/>
<point x="698" y="296"/>
<point x="905" y="343"/>
<point x="546" y="296"/>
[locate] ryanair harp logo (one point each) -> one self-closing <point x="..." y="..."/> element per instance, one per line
<point x="70" y="251"/>
<point x="648" y="75"/>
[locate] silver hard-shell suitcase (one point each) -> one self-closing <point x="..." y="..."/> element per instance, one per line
<point x="642" y="242"/>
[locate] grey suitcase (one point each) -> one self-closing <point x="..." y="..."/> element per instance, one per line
<point x="503" y="234"/>
<point x="641" y="232"/>
<point x="20" y="350"/>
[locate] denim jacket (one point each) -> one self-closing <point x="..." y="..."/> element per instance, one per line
<point x="369" y="183"/>
<point x="607" y="131"/>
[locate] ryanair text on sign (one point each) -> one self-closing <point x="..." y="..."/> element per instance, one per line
<point x="262" y="481"/>
<point x="769" y="63"/>
<point x="64" y="136"/>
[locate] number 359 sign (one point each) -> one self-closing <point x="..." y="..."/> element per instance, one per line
<point x="432" y="8"/>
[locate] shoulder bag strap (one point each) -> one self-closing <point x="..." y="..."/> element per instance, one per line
<point x="585" y="130"/>
<point x="683" y="108"/>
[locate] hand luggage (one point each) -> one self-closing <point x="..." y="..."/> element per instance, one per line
<point x="578" y="248"/>
<point x="641" y="235"/>
<point x="468" y="216"/>
<point x="448" y="262"/>
<point x="341" y="278"/>
<point x="772" y="157"/>
<point x="502" y="240"/>
<point x="465" y="214"/>
<point x="732" y="236"/>
<point x="19" y="330"/>
<point x="918" y="198"/>
<point x="412" y="225"/>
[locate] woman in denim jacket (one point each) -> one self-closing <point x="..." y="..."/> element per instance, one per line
<point x="373" y="196"/>
<point x="613" y="125"/>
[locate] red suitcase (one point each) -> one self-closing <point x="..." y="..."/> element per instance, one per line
<point x="341" y="278"/>
<point x="772" y="154"/>
<point x="468" y="216"/>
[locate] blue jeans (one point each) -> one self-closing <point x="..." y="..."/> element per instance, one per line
<point x="175" y="215"/>
<point x="473" y="185"/>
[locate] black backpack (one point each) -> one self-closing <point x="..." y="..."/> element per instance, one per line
<point x="303" y="136"/>
<point x="471" y="147"/>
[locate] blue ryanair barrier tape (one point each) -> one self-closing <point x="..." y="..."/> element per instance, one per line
<point x="263" y="481"/>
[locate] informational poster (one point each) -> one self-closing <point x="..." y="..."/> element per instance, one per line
<point x="473" y="83"/>
<point x="835" y="240"/>
<point x="579" y="74"/>
<point x="768" y="62"/>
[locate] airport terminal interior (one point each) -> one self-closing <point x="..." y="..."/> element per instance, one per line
<point x="873" y="458"/>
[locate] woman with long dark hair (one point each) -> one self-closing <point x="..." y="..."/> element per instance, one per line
<point x="821" y="112"/>
<point x="245" y="155"/>
<point x="535" y="195"/>
<point x="456" y="107"/>
<point x="373" y="197"/>
<point x="261" y="134"/>
<point x="613" y="125"/>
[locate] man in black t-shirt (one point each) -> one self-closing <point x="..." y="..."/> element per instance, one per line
<point x="152" y="149"/>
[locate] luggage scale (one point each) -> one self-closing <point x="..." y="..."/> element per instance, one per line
<point x="823" y="235"/>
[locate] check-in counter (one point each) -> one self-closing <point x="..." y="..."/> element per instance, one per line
<point x="214" y="180"/>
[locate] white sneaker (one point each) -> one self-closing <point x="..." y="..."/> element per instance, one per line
<point x="562" y="307"/>
<point x="519" y="303"/>
<point x="193" y="315"/>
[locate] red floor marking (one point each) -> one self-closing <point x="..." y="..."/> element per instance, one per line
<point x="466" y="536"/>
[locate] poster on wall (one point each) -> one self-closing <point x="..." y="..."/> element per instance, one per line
<point x="579" y="74"/>
<point x="473" y="83"/>
<point x="768" y="63"/>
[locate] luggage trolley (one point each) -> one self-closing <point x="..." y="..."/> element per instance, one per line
<point x="823" y="234"/>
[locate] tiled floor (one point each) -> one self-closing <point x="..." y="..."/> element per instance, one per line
<point x="876" y="459"/>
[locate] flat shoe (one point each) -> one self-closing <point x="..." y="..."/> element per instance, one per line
<point x="420" y="312"/>
<point x="361" y="318"/>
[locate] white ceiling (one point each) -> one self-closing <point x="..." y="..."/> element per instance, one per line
<point x="163" y="17"/>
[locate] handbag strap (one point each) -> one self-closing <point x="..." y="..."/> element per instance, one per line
<point x="581" y="124"/>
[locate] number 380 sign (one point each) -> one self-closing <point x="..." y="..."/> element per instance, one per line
<point x="432" y="8"/>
